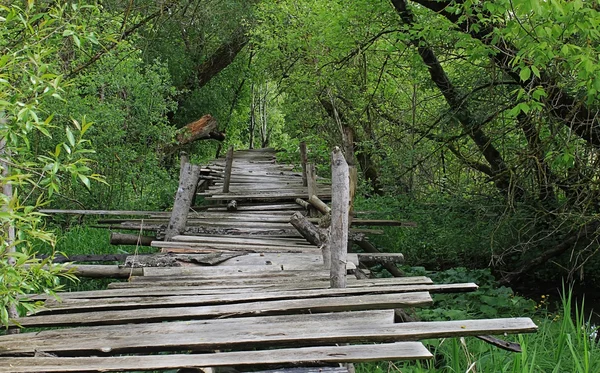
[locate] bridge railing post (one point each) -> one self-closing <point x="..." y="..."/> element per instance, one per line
<point x="304" y="159"/>
<point x="228" y="166"/>
<point x="188" y="180"/>
<point x="340" y="203"/>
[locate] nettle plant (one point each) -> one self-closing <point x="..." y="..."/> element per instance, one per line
<point x="30" y="39"/>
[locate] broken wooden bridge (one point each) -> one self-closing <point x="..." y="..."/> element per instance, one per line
<point x="243" y="287"/>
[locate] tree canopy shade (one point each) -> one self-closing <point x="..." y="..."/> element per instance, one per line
<point x="435" y="100"/>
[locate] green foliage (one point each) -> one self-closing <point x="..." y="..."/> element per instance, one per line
<point x="561" y="344"/>
<point x="30" y="39"/>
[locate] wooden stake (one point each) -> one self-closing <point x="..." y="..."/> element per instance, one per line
<point x="183" y="200"/>
<point x="311" y="175"/>
<point x="228" y="164"/>
<point x="304" y="159"/>
<point x="340" y="195"/>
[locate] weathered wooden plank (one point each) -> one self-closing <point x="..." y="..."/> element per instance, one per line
<point x="235" y="247"/>
<point x="240" y="334"/>
<point x="190" y="281"/>
<point x="266" y="196"/>
<point x="305" y="355"/>
<point x="98" y="212"/>
<point x="242" y="240"/>
<point x="229" y="289"/>
<point x="247" y="277"/>
<point x="143" y="315"/>
<point x="381" y="257"/>
<point x="279" y="206"/>
<point x="131" y="302"/>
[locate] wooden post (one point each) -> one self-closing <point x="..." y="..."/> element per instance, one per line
<point x="183" y="159"/>
<point x="340" y="200"/>
<point x="304" y="159"/>
<point x="183" y="200"/>
<point x="311" y="175"/>
<point x="228" y="165"/>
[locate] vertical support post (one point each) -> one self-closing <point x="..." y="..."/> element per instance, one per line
<point x="183" y="200"/>
<point x="228" y="165"/>
<point x="340" y="200"/>
<point x="311" y="178"/>
<point x="304" y="159"/>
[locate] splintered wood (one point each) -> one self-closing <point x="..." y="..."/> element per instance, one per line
<point x="238" y="277"/>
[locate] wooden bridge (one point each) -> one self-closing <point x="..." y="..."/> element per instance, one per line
<point x="237" y="285"/>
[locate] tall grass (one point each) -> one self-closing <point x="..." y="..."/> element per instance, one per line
<point x="562" y="344"/>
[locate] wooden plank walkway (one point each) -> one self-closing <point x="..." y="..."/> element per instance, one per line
<point x="268" y="303"/>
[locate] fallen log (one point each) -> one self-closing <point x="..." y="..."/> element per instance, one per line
<point x="316" y="236"/>
<point x="130" y="239"/>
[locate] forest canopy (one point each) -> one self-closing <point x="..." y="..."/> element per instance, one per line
<point x="487" y="110"/>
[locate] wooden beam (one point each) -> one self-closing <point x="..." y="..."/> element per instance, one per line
<point x="305" y="355"/>
<point x="145" y="315"/>
<point x="338" y="239"/>
<point x="228" y="164"/>
<point x="304" y="160"/>
<point x="183" y="200"/>
<point x="117" y="238"/>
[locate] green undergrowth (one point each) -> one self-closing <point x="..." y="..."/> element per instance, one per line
<point x="563" y="343"/>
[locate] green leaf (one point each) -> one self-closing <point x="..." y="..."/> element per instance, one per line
<point x="70" y="137"/>
<point x="525" y="73"/>
<point x="84" y="179"/>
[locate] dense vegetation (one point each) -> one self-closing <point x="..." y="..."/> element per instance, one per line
<point x="476" y="119"/>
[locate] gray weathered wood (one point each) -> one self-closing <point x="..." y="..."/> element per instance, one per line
<point x="319" y="205"/>
<point x="338" y="237"/>
<point x="117" y="238"/>
<point x="170" y="289"/>
<point x="101" y="271"/>
<point x="381" y="258"/>
<point x="314" y="235"/>
<point x="183" y="200"/>
<point x="132" y="302"/>
<point x="144" y="315"/>
<point x="228" y="166"/>
<point x="240" y="332"/>
<point x="310" y="355"/>
<point x="304" y="161"/>
<point x="302" y="203"/>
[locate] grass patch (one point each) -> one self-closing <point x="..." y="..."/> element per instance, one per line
<point x="563" y="343"/>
